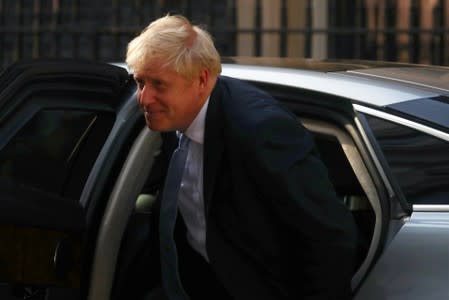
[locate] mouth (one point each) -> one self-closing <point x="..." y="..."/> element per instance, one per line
<point x="152" y="114"/>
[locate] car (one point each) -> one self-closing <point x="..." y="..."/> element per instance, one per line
<point x="75" y="155"/>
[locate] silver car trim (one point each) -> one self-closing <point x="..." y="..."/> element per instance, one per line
<point x="423" y="128"/>
<point x="431" y="207"/>
<point x="376" y="161"/>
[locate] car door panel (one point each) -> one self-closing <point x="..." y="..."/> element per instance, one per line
<point x="55" y="117"/>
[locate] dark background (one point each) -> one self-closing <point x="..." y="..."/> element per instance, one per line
<point x="101" y="29"/>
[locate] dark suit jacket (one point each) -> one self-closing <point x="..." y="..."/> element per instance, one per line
<point x="275" y="228"/>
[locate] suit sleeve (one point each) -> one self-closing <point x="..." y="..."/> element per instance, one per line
<point x="283" y="164"/>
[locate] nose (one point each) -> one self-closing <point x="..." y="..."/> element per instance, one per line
<point x="146" y="96"/>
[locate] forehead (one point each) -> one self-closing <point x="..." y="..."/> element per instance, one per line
<point x="154" y="70"/>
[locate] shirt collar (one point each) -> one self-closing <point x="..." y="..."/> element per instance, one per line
<point x="195" y="131"/>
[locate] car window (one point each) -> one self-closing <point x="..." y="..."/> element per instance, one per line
<point x="420" y="162"/>
<point x="45" y="152"/>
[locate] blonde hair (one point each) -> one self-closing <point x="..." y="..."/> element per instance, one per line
<point x="181" y="46"/>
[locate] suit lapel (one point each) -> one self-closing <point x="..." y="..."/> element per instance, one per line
<point x="213" y="144"/>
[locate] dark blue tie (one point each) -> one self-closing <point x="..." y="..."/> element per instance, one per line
<point x="169" y="210"/>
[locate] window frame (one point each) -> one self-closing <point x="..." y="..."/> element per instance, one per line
<point x="364" y="110"/>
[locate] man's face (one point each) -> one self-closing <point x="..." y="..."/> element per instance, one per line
<point x="168" y="100"/>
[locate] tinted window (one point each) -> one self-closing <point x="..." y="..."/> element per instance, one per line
<point x="433" y="110"/>
<point x="419" y="161"/>
<point x="43" y="152"/>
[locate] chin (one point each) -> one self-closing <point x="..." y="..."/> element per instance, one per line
<point x="159" y="127"/>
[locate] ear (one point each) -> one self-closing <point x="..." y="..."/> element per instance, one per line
<point x="204" y="78"/>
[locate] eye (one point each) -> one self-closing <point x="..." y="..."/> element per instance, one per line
<point x="140" y="83"/>
<point x="157" y="83"/>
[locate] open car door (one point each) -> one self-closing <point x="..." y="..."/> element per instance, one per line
<point x="61" y="130"/>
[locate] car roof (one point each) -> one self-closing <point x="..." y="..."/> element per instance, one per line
<point x="376" y="83"/>
<point x="371" y="82"/>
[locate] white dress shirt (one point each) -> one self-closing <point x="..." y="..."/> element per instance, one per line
<point x="191" y="199"/>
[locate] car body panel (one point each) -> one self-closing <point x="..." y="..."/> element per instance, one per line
<point x="415" y="265"/>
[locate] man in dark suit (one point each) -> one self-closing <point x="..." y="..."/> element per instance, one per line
<point x="261" y="219"/>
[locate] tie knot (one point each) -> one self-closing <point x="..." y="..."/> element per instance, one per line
<point x="183" y="141"/>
